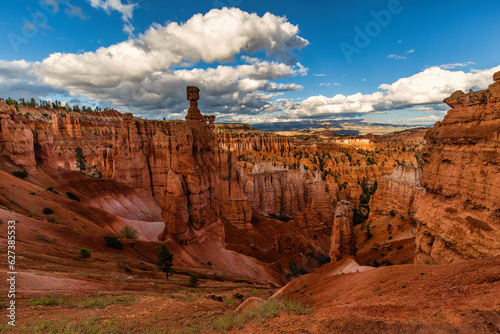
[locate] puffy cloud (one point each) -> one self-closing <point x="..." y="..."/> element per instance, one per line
<point x="243" y="89"/>
<point x="150" y="72"/>
<point x="18" y="79"/>
<point x="410" y="51"/>
<point x="427" y="88"/>
<point x="433" y="85"/>
<point x="218" y="35"/>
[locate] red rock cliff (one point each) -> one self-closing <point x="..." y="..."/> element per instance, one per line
<point x="459" y="215"/>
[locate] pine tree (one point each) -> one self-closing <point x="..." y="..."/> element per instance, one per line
<point x="165" y="260"/>
<point x="80" y="159"/>
<point x="193" y="279"/>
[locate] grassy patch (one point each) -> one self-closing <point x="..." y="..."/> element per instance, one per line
<point x="102" y="302"/>
<point x="270" y="309"/>
<point x="188" y="297"/>
<point x="230" y="301"/>
<point x="93" y="325"/>
<point x="48" y="300"/>
<point x="42" y="237"/>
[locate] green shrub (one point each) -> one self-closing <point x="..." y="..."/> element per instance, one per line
<point x="113" y="242"/>
<point x="21" y="174"/>
<point x="52" y="218"/>
<point x="47" y="211"/>
<point x="72" y="196"/>
<point x="193" y="279"/>
<point x="51" y="189"/>
<point x="84" y="253"/>
<point x="128" y="232"/>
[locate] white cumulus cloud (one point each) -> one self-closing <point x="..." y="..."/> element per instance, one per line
<point x="126" y="10"/>
<point x="148" y="74"/>
<point x="218" y="35"/>
<point x="428" y="87"/>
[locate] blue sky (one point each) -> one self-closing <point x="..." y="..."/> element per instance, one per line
<point x="255" y="61"/>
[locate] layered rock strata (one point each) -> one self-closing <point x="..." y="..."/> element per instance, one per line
<point x="343" y="241"/>
<point x="397" y="193"/>
<point x="459" y="215"/>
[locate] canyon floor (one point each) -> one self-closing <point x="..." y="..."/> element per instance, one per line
<point x="456" y="298"/>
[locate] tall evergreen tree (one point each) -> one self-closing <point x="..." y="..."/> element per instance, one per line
<point x="165" y="260"/>
<point x="80" y="159"/>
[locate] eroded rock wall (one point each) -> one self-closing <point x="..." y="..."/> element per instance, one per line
<point x="459" y="215"/>
<point x="343" y="241"/>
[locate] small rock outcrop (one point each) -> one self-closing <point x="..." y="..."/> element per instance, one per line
<point x="16" y="139"/>
<point x="459" y="215"/>
<point x="343" y="241"/>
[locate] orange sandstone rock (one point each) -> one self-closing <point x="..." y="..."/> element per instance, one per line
<point x="343" y="241"/>
<point x="459" y="215"/>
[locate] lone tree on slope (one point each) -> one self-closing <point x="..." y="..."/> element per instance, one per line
<point x="80" y="159"/>
<point x="165" y="260"/>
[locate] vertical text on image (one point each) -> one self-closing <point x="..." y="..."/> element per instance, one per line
<point x="11" y="274"/>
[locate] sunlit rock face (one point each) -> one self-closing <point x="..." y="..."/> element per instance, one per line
<point x="459" y="214"/>
<point x="343" y="241"/>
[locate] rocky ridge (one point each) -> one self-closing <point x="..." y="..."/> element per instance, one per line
<point x="459" y="214"/>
